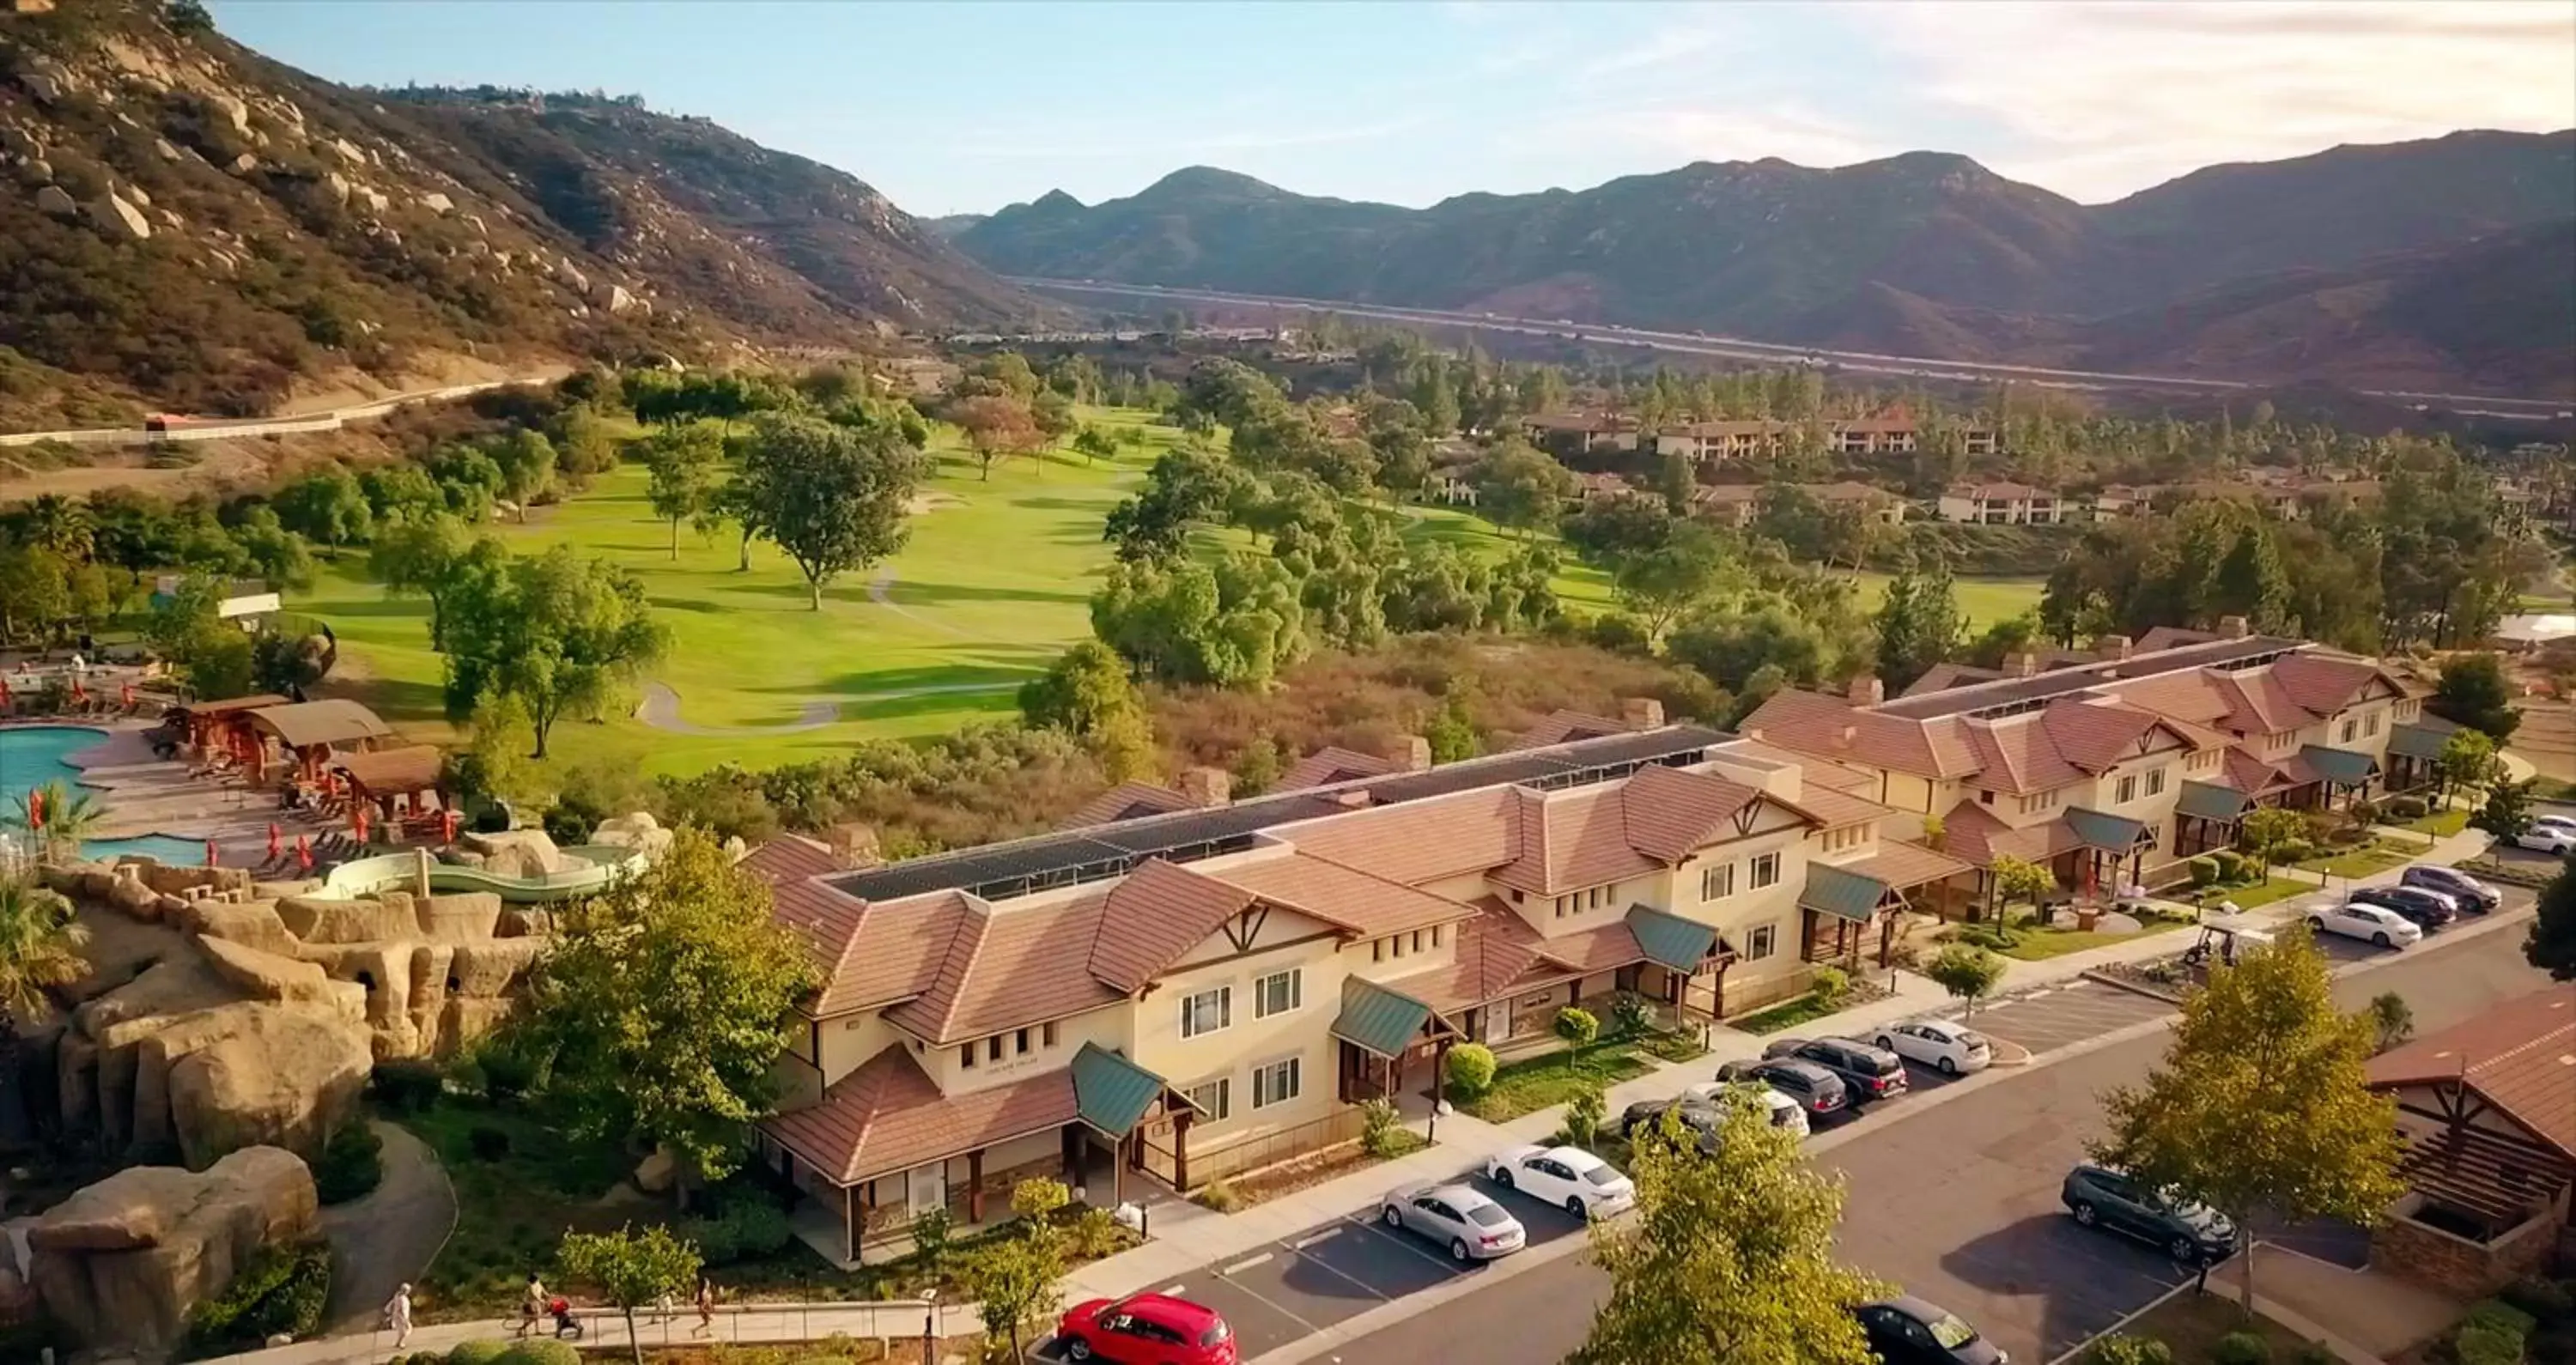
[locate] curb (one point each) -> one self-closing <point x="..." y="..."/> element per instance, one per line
<point x="2132" y="987"/>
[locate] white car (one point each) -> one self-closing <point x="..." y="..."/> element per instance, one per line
<point x="1577" y="1181"/>
<point x="1783" y="1108"/>
<point x="2387" y="928"/>
<point x="2548" y="834"/>
<point x="1951" y="1049"/>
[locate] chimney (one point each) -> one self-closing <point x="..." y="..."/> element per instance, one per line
<point x="2114" y="647"/>
<point x="1205" y="786"/>
<point x="1357" y="798"/>
<point x="1409" y="753"/>
<point x="1867" y="690"/>
<point x="853" y="845"/>
<point x="2022" y="665"/>
<point x="1641" y="713"/>
<point x="2234" y="627"/>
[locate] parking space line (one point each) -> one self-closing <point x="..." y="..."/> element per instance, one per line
<point x="1405" y="1240"/>
<point x="1304" y="1242"/>
<point x="1291" y="1314"/>
<point x="1246" y="1264"/>
<point x="1171" y="1290"/>
<point x="1365" y="1287"/>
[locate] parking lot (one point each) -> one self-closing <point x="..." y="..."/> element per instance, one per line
<point x="2053" y="1017"/>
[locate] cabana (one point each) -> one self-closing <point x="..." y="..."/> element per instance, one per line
<point x="312" y="731"/>
<point x="381" y="779"/>
<point x="223" y="727"/>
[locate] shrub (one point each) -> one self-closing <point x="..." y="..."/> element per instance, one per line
<point x="2242" y="1348"/>
<point x="487" y="1143"/>
<point x="2409" y="808"/>
<point x="1219" y="1196"/>
<point x="476" y="1352"/>
<point x="1630" y="1015"/>
<point x="2204" y="871"/>
<point x="352" y="1163"/>
<point x="2293" y="851"/>
<point x="1471" y="1069"/>
<point x="2316" y="1353"/>
<point x="508" y="1069"/>
<point x="1984" y="936"/>
<point x="2486" y="1346"/>
<point x="2497" y="1315"/>
<point x="2548" y="1301"/>
<point x="1380" y="1133"/>
<point x="748" y="1227"/>
<point x="283" y="1289"/>
<point x="1096" y="1233"/>
<point x="567" y="825"/>
<point x="405" y="1086"/>
<point x="539" y="1351"/>
<point x="930" y="1229"/>
<point x="1830" y="986"/>
<point x="1578" y="1027"/>
<point x="2128" y="1350"/>
<point x="1583" y="1115"/>
<point x="2231" y="865"/>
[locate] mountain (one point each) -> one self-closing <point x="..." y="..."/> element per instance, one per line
<point x="187" y="225"/>
<point x="1925" y="253"/>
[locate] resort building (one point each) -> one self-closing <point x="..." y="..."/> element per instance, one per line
<point x="1188" y="994"/>
<point x="2112" y="769"/>
<point x="2002" y="504"/>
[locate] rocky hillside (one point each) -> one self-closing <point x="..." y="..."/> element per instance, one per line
<point x="186" y="225"/>
<point x="1925" y="253"/>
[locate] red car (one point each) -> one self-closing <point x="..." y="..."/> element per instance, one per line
<point x="1146" y="1329"/>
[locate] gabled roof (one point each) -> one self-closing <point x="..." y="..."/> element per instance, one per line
<point x="1003" y="970"/>
<point x="2095" y="735"/>
<point x="2017" y="756"/>
<point x="868" y="955"/>
<point x="1843" y="892"/>
<point x="2101" y="829"/>
<point x="2423" y="739"/>
<point x="1378" y="1018"/>
<point x="1669" y="814"/>
<point x="1328" y="765"/>
<point x="2210" y="801"/>
<point x="887" y="1115"/>
<point x="2520" y="1056"/>
<point x="1126" y="801"/>
<point x="1565" y="726"/>
<point x="1906" y="866"/>
<point x="335" y="720"/>
<point x="1971" y="832"/>
<point x="2326" y="683"/>
<point x="1421" y="841"/>
<point x="1941" y="677"/>
<point x="2347" y="766"/>
<point x="1153" y="916"/>
<point x="1110" y="1092"/>
<point x="1670" y="940"/>
<point x="1366" y="905"/>
<point x="1572" y="840"/>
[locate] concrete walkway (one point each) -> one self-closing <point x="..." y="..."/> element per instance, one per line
<point x="387" y="1237"/>
<point x="1186" y="1239"/>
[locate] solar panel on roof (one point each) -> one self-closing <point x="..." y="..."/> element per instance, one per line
<point x="997" y="871"/>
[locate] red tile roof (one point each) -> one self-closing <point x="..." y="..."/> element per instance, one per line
<point x="1499" y="955"/>
<point x="2520" y="1056"/>
<point x="2095" y="735"/>
<point x="1155" y="914"/>
<point x="1571" y="839"/>
<point x="869" y="955"/>
<point x="1906" y="866"/>
<point x="1331" y="764"/>
<point x="1419" y="841"/>
<point x="1126" y="801"/>
<point x="887" y="1115"/>
<point x="1367" y="905"/>
<point x="1563" y="727"/>
<point x="2327" y="683"/>
<point x="2016" y="756"/>
<point x="1833" y="808"/>
<point x="1972" y="833"/>
<point x="1669" y="814"/>
<point x="1004" y="970"/>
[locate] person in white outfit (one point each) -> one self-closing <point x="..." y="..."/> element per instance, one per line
<point x="398" y="1315"/>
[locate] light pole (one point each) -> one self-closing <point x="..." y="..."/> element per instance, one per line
<point x="930" y="1323"/>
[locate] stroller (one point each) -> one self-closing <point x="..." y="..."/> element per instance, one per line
<point x="565" y="1324"/>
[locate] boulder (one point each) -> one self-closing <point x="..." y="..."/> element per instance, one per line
<point x="43" y="78"/>
<point x="229" y="110"/>
<point x="254" y="923"/>
<point x="119" y="1263"/>
<point x="52" y="200"/>
<point x="317" y="920"/>
<point x="438" y="203"/>
<point x="243" y="164"/>
<point x="375" y="199"/>
<point x="516" y="852"/>
<point x="138" y="901"/>
<point x="286" y="1076"/>
<point x="462" y="915"/>
<point x="266" y="975"/>
<point x="610" y="296"/>
<point x="655" y="1174"/>
<point x="165" y="149"/>
<point x="337" y="186"/>
<point x="347" y="151"/>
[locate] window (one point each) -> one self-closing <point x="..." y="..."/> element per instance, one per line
<point x="1985" y="798"/>
<point x="1278" y="993"/>
<point x="1377" y="950"/>
<point x="1274" y="1084"/>
<point x="2370" y="724"/>
<point x="1417" y="940"/>
<point x="1020" y="1044"/>
<point x="1716" y="881"/>
<point x="966" y="1057"/>
<point x="2351" y="727"/>
<point x="1435" y="935"/>
<point x="1766" y="871"/>
<point x="1207" y="1011"/>
<point x="2156" y="782"/>
<point x="1560" y="907"/>
<point x="1046" y="1034"/>
<point x="2128" y="789"/>
<point x="1214" y="1098"/>
<point x="1758" y="942"/>
<point x="993" y="1048"/>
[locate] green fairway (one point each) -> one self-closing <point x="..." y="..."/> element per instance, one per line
<point x="1985" y="600"/>
<point x="995" y="582"/>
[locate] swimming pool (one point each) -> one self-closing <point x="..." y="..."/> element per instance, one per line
<point x="33" y="755"/>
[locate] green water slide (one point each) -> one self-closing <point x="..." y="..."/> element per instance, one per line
<point x="589" y="868"/>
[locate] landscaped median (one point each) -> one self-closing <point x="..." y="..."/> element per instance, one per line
<point x="1535" y="1083"/>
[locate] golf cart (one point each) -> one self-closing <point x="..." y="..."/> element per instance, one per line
<point x="2225" y="934"/>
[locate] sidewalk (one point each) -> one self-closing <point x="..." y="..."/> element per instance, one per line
<point x="1186" y="1239"/>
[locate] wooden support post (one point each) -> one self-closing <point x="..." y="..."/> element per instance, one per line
<point x="850" y="1224"/>
<point x="1181" y="1149"/>
<point x="975" y="1186"/>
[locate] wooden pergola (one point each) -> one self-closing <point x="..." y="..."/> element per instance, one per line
<point x="224" y="726"/>
<point x="386" y="776"/>
<point x="312" y="731"/>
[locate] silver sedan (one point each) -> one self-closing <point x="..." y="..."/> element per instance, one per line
<point x="1464" y="1219"/>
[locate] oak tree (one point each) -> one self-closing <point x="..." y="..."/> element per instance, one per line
<point x="556" y="631"/>
<point x="834" y="498"/>
<point x="630" y="1269"/>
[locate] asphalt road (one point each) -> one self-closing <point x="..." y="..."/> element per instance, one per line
<point x="1959" y="1202"/>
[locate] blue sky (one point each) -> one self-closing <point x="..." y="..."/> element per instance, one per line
<point x="968" y="106"/>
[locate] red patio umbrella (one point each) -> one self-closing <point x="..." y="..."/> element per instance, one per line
<point x="6" y="696"/>
<point x="276" y="841"/>
<point x="358" y="821"/>
<point x="447" y="825"/>
<point x="304" y="851"/>
<point x="214" y="856"/>
<point x="125" y="696"/>
<point x="35" y="808"/>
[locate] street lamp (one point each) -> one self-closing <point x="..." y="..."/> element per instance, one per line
<point x="930" y="1323"/>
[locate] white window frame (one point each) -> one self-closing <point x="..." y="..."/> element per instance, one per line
<point x="1295" y="995"/>
<point x="2351" y="728"/>
<point x="1761" y="941"/>
<point x="2128" y="790"/>
<point x="2156" y="782"/>
<point x="1223" y="1109"/>
<point x="1765" y="872"/>
<point x="1720" y="876"/>
<point x="1268" y="1077"/>
<point x="1224" y="1012"/>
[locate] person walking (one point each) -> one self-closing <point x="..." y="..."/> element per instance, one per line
<point x="706" y="1307"/>
<point x="398" y="1315"/>
<point x="532" y="1302"/>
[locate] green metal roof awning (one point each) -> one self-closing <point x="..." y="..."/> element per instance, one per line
<point x="2103" y="830"/>
<point x="1837" y="891"/>
<point x="1110" y="1092"/>
<point x="1377" y="1019"/>
<point x="1670" y="940"/>
<point x="2341" y="766"/>
<point x="2208" y="801"/>
<point x="2421" y="739"/>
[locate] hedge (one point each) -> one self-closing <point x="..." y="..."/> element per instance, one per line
<point x="352" y="1163"/>
<point x="283" y="1289"/>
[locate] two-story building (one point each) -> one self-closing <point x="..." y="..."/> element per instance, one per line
<point x="1186" y="995"/>
<point x="2001" y="504"/>
<point x="1581" y="433"/>
<point x="2112" y="772"/>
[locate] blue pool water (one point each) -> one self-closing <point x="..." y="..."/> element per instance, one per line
<point x="33" y="755"/>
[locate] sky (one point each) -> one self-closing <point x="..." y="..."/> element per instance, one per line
<point x="966" y="107"/>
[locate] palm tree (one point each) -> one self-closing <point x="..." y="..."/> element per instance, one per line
<point x="39" y="947"/>
<point x="70" y="818"/>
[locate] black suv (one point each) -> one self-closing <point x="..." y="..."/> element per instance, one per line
<point x="1870" y="1073"/>
<point x="2428" y="909"/>
<point x="1821" y="1091"/>
<point x="2466" y="891"/>
<point x="2101" y="1197"/>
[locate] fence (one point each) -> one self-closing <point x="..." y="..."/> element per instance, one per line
<point x="1257" y="1153"/>
<point x="885" y="1323"/>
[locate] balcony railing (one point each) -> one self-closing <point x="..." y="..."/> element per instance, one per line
<point x="1256" y="1153"/>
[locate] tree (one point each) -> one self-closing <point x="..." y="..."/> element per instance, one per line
<point x="1096" y="443"/>
<point x="1051" y="413"/>
<point x="683" y="461"/>
<point x="69" y="816"/>
<point x="2392" y="1020"/>
<point x="1969" y="973"/>
<point x="1014" y="1279"/>
<point x="1584" y="1110"/>
<point x="834" y="499"/>
<point x="2262" y="1106"/>
<point x="1521" y="487"/>
<point x="662" y="1003"/>
<point x="995" y="426"/>
<point x="2468" y="760"/>
<point x="2550" y="944"/>
<point x="1919" y="625"/>
<point x="2506" y="812"/>
<point x="1730" y="1257"/>
<point x="2018" y="879"/>
<point x="1661" y="584"/>
<point x="274" y="552"/>
<point x="2265" y="829"/>
<point x="526" y="460"/>
<point x="329" y="508"/>
<point x="630" y="1269"/>
<point x="35" y="592"/>
<point x="1087" y="693"/>
<point x="1578" y="1027"/>
<point x="556" y="631"/>
<point x="189" y="18"/>
<point x="39" y="947"/>
<point x="1234" y="623"/>
<point x="1471" y="1069"/>
<point x="422" y="555"/>
<point x="1186" y="487"/>
<point x="2473" y="692"/>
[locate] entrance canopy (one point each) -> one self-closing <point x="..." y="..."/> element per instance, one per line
<point x="1838" y="891"/>
<point x="1381" y="1021"/>
<point x="2343" y="767"/>
<point x="2102" y="830"/>
<point x="392" y="772"/>
<point x="2207" y="801"/>
<point x="2421" y="740"/>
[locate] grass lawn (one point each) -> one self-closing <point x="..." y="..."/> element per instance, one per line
<point x="1985" y="600"/>
<point x="1527" y="1087"/>
<point x="2192" y="1325"/>
<point x="2255" y="894"/>
<point x="2441" y="824"/>
<point x="2378" y="856"/>
<point x="2038" y="945"/>
<point x="995" y="582"/>
<point x="1799" y="1011"/>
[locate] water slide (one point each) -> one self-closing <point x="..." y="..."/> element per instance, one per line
<point x="588" y="868"/>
